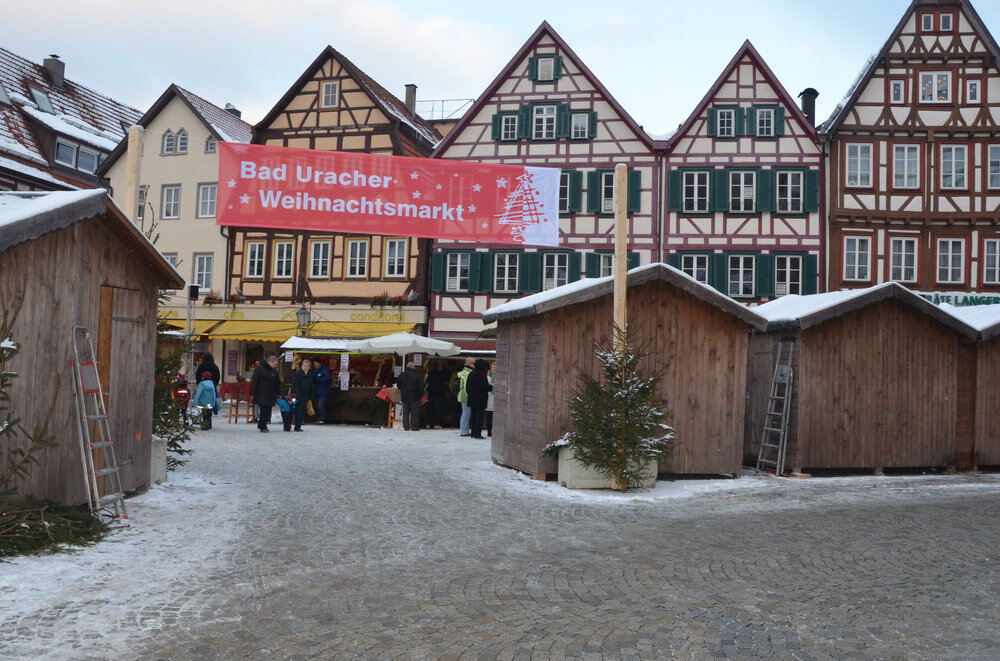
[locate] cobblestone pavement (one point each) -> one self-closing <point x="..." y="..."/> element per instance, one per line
<point x="371" y="544"/>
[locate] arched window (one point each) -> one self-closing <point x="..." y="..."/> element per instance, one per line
<point x="182" y="142"/>
<point x="169" y="142"/>
<point x="210" y="145"/>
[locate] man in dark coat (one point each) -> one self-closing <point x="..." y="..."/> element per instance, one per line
<point x="437" y="386"/>
<point x="302" y="389"/>
<point x="207" y="364"/>
<point x="321" y="379"/>
<point x="265" y="386"/>
<point x="411" y="388"/>
<point x="477" y="387"/>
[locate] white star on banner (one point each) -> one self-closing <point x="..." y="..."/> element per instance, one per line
<point x="477" y="188"/>
<point x="244" y="198"/>
<point x="416" y="195"/>
<point x="501" y="182"/>
<point x="472" y="208"/>
<point x="231" y="183"/>
<point x="439" y="187"/>
<point x="486" y="226"/>
<point x="414" y="175"/>
<point x="230" y="206"/>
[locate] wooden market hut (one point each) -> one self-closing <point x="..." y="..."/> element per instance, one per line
<point x="882" y="379"/>
<point x="695" y="336"/>
<point x="77" y="260"/>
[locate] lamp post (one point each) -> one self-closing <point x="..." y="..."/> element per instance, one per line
<point x="304" y="317"/>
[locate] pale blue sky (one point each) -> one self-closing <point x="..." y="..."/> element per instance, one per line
<point x="657" y="58"/>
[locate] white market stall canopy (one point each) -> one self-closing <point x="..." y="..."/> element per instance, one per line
<point x="403" y="344"/>
<point x="315" y="344"/>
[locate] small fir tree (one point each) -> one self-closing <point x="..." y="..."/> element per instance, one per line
<point x="168" y="423"/>
<point x="621" y="423"/>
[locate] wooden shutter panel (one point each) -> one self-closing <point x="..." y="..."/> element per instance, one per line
<point x="575" y="191"/>
<point x="811" y="192"/>
<point x="810" y="274"/>
<point x="593" y="191"/>
<point x="496" y="127"/>
<point x="562" y="120"/>
<point x="529" y="275"/>
<point x="765" y="190"/>
<point x="764" y="285"/>
<point x="475" y="269"/>
<point x="675" y="184"/>
<point x="592" y="125"/>
<point x="574" y="266"/>
<point x="524" y="121"/>
<point x="633" y="260"/>
<point x="437" y="271"/>
<point x="711" y="121"/>
<point x="532" y="68"/>
<point x="486" y="264"/>
<point x="718" y="272"/>
<point x="751" y="127"/>
<point x="634" y="191"/>
<point x="779" y="121"/>
<point x="593" y="265"/>
<point x="719" y="191"/>
<point x="739" y="120"/>
<point x="674" y="259"/>
<point x="557" y="67"/>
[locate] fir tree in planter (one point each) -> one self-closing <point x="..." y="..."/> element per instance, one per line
<point x="621" y="423"/>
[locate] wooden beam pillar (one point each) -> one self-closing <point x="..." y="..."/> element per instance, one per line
<point x="132" y="161"/>
<point x="621" y="248"/>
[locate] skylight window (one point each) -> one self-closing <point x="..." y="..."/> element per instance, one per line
<point x="41" y="100"/>
<point x="4" y="98"/>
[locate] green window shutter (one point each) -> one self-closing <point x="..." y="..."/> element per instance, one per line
<point x="811" y="191"/>
<point x="739" y="120"/>
<point x="764" y="285"/>
<point x="562" y="120"/>
<point x="634" y="191"/>
<point x="592" y="125"/>
<point x="437" y="271"/>
<point x="674" y="259"/>
<point x="574" y="266"/>
<point x="633" y="260"/>
<point x="593" y="191"/>
<point x="765" y="190"/>
<point x="475" y="269"/>
<point x="719" y="191"/>
<point x="496" y="127"/>
<point x="779" y="121"/>
<point x="674" y="190"/>
<point x="711" y="121"/>
<point x="810" y="274"/>
<point x="533" y="68"/>
<point x="524" y="121"/>
<point x="751" y="126"/>
<point x="575" y="191"/>
<point x="487" y="260"/>
<point x="529" y="275"/>
<point x="557" y="67"/>
<point x="718" y="272"/>
<point x="593" y="264"/>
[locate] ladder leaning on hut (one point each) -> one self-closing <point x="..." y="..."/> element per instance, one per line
<point x="774" y="441"/>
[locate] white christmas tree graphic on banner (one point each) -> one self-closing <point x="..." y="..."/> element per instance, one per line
<point x="521" y="209"/>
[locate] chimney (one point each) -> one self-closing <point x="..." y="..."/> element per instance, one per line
<point x="232" y="110"/>
<point x="808" y="96"/>
<point x="411" y="98"/>
<point x="56" y="69"/>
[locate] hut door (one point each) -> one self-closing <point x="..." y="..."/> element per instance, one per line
<point x="965" y="414"/>
<point x="104" y="340"/>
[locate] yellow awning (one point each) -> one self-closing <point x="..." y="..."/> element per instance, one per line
<point x="279" y="331"/>
<point x="201" y="326"/>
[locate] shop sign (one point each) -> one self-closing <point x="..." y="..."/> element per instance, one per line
<point x="960" y="299"/>
<point x="233" y="314"/>
<point x="378" y="316"/>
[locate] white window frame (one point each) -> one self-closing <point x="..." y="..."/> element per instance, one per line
<point x="319" y="264"/>
<point x="991" y="272"/>
<point x="924" y="27"/>
<point x="788" y="275"/>
<point x="505" y="272"/>
<point x="564" y="192"/>
<point x="857" y="271"/>
<point x="552" y="264"/>
<point x="899" y="270"/>
<point x="765" y="129"/>
<point x="579" y="126"/>
<point x="605" y="264"/>
<point x="208" y="195"/>
<point x="65" y="143"/>
<point x="904" y="166"/>
<point x="897" y="92"/>
<point x="730" y="114"/>
<point x="202" y="275"/>
<point x="607" y="192"/>
<point x="182" y="142"/>
<point x="324" y="99"/>
<point x="970" y="85"/>
<point x="934" y="82"/>
<point x="357" y="258"/>
<point x="993" y="163"/>
<point x="211" y="145"/>
<point x="951" y="22"/>
<point x="695" y="180"/>
<point x="739" y="201"/>
<point x="545" y="69"/>
<point x="455" y="264"/>
<point x="41" y="100"/>
<point x="140" y="202"/>
<point x="171" y="258"/>
<point x="789" y="202"/>
<point x="284" y="259"/>
<point x="858" y="158"/>
<point x="165" y="192"/>
<point x="693" y="264"/>
<point x="741" y="271"/>
<point x="395" y="258"/>
<point x="543" y="122"/>
<point x="256" y="258"/>
<point x="508" y="128"/>
<point x="80" y="151"/>
<point x="953" y="167"/>
<point x="949" y="269"/>
<point x="168" y="142"/>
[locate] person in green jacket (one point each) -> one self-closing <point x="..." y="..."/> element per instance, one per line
<point x="302" y="391"/>
<point x="463" y="397"/>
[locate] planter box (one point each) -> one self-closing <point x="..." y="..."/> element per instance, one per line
<point x="574" y="475"/>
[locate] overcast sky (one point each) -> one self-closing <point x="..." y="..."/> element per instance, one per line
<point x="657" y="58"/>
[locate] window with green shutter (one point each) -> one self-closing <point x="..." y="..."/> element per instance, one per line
<point x="545" y="68"/>
<point x="718" y="272"/>
<point x="600" y="191"/>
<point x="812" y="191"/>
<point x="764" y="276"/>
<point x="570" y="192"/>
<point x="810" y="274"/>
<point x="764" y="122"/>
<point x="789" y="274"/>
<point x="524" y="121"/>
<point x="437" y="272"/>
<point x="710" y="122"/>
<point x="779" y="121"/>
<point x="634" y="191"/>
<point x="720" y="190"/>
<point x="530" y="272"/>
<point x="765" y="190"/>
<point x="506" y="127"/>
<point x="601" y="263"/>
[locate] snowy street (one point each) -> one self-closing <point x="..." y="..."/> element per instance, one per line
<point x="347" y="542"/>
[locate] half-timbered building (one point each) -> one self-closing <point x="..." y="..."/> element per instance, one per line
<point x="743" y="173"/>
<point x="914" y="158"/>
<point x="547" y="109"/>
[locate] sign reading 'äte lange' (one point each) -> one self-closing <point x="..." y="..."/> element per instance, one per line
<point x="303" y="189"/>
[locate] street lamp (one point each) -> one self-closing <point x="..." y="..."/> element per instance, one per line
<point x="303" y="316"/>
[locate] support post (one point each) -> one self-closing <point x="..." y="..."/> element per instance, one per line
<point x="132" y="161"/>
<point x="621" y="248"/>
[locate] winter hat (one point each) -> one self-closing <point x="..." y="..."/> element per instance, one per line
<point x="206" y="375"/>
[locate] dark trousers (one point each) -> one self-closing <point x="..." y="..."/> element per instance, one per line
<point x="300" y="414"/>
<point x="489" y="423"/>
<point x="206" y="417"/>
<point x="263" y="416"/>
<point x="433" y="412"/>
<point x="321" y="409"/>
<point x="477" y="421"/>
<point x="380" y="417"/>
<point x="457" y="415"/>
<point x="286" y="420"/>
<point x="411" y="414"/>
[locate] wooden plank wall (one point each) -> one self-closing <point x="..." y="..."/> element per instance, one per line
<point x="699" y="350"/>
<point x="517" y="395"/>
<point x="988" y="403"/>
<point x="61" y="274"/>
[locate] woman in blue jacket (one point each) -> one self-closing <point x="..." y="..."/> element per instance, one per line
<point x="204" y="399"/>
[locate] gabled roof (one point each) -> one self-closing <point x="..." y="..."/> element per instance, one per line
<point x="26" y="216"/>
<point x="223" y="125"/>
<point x="984" y="318"/>
<point x="508" y="70"/>
<point x="588" y="289"/>
<point x="392" y="106"/>
<point x="78" y="112"/>
<point x="746" y="49"/>
<point x="837" y="116"/>
<point x="795" y="311"/>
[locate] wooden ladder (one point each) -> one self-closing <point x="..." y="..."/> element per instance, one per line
<point x="774" y="441"/>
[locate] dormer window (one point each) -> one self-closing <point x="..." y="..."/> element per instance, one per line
<point x="331" y="94"/>
<point x="4" y="98"/>
<point x="41" y="100"/>
<point x="65" y="153"/>
<point x="169" y="142"/>
<point x="77" y="156"/>
<point x="210" y="144"/>
<point x="182" y="142"/>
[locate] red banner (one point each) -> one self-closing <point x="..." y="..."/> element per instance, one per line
<point x="323" y="191"/>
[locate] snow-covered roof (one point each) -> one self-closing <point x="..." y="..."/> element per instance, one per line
<point x="316" y="344"/>
<point x="794" y="307"/>
<point x="16" y="207"/>
<point x="843" y="104"/>
<point x="984" y="318"/>
<point x="229" y="127"/>
<point x="591" y="288"/>
<point x="35" y="172"/>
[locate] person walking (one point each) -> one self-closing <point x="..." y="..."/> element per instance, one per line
<point x="411" y="387"/>
<point x="321" y="378"/>
<point x="477" y="391"/>
<point x="437" y="385"/>
<point x="302" y="391"/>
<point x="463" y="398"/>
<point x="489" y="402"/>
<point x="207" y="364"/>
<point x="265" y="386"/>
<point x="204" y="399"/>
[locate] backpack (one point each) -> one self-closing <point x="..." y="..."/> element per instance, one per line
<point x="456" y="386"/>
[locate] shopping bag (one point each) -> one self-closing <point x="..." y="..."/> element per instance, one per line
<point x="310" y="409"/>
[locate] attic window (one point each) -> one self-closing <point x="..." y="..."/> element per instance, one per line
<point x="182" y="142"/>
<point x="169" y="143"/>
<point x="210" y="145"/>
<point x="4" y="98"/>
<point x="41" y="100"/>
<point x="331" y="90"/>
